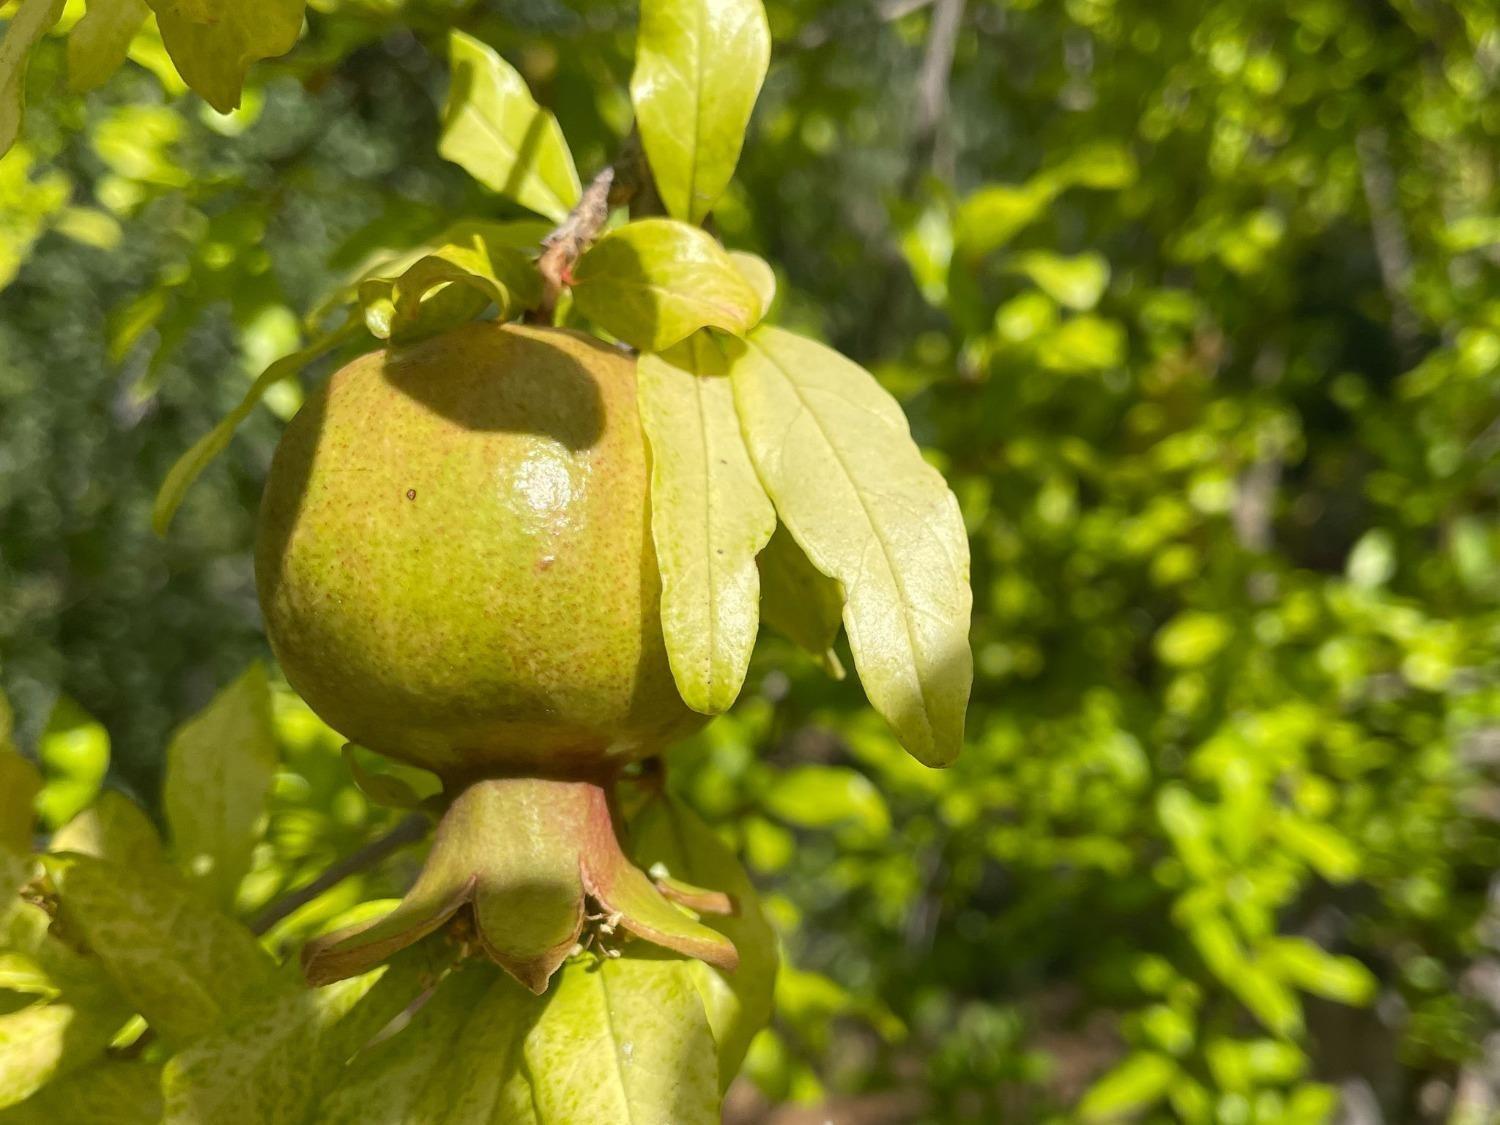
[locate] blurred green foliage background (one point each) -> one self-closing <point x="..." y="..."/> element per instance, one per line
<point x="1195" y="303"/>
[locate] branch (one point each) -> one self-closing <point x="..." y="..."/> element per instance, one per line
<point x="932" y="82"/>
<point x="616" y="185"/>
<point x="408" y="831"/>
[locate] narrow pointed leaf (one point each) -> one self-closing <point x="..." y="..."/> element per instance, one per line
<point x="737" y="1004"/>
<point x="494" y="129"/>
<point x="799" y="601"/>
<point x="24" y="31"/>
<point x="640" y="1024"/>
<point x="219" y="769"/>
<point x="699" y="65"/>
<point x="99" y="42"/>
<point x="709" y="518"/>
<point x="655" y="282"/>
<point x="188" y="969"/>
<point x="214" y="42"/>
<point x="211" y="444"/>
<point x="836" y="456"/>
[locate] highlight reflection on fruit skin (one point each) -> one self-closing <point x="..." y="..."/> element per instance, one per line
<point x="455" y="562"/>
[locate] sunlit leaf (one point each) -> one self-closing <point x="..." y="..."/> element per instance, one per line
<point x="214" y="42"/>
<point x="799" y="601"/>
<point x="995" y="214"/>
<point x="114" y="828"/>
<point x="198" y="458"/>
<point x="709" y="518"/>
<point x="99" y="42"/>
<point x="218" y="775"/>
<point x="189" y="970"/>
<point x="74" y="755"/>
<point x="1077" y="282"/>
<point x="493" y="127"/>
<point x="30" y="199"/>
<point x="669" y="838"/>
<point x="1313" y="969"/>
<point x="826" y="796"/>
<point x="655" y="282"/>
<point x="46" y="1041"/>
<point x="27" y="25"/>
<point x="1134" y="1085"/>
<point x="641" y="1024"/>
<point x="759" y="274"/>
<point x="698" y="68"/>
<point x="835" y="454"/>
<point x="499" y="274"/>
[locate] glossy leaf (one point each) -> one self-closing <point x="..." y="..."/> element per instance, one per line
<point x="835" y="454"/>
<point x="189" y="970"/>
<point x="640" y="1022"/>
<point x="799" y="601"/>
<point x="99" y="42"/>
<point x="709" y="518"/>
<point x="493" y="127"/>
<point x="655" y="282"/>
<point x="669" y="838"/>
<point x="30" y="21"/>
<point x="218" y="775"/>
<point x="214" y="42"/>
<point x="699" y="65"/>
<point x="211" y="444"/>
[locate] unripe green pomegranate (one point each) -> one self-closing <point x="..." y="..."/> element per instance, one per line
<point x="455" y="561"/>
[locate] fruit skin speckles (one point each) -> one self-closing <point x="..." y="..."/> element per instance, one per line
<point x="508" y="622"/>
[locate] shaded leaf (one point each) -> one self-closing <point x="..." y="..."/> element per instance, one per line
<point x="835" y="454"/>
<point x="214" y="42"/>
<point x="655" y="282"/>
<point x="189" y="970"/>
<point x="99" y="42"/>
<point x="494" y="129"/>
<point x="19" y="785"/>
<point x="24" y="31"/>
<point x="709" y="518"/>
<point x="799" y="601"/>
<point x="107" y="1092"/>
<point x="699" y="65"/>
<point x="218" y="774"/>
<point x="182" y="475"/>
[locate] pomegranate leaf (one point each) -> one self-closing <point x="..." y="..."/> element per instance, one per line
<point x="836" y="456"/>
<point x="800" y="602"/>
<point x="699" y="65"/>
<point x="213" y="42"/>
<point x="709" y="517"/>
<point x="106" y="1092"/>
<point x="99" y="42"/>
<point x="23" y="32"/>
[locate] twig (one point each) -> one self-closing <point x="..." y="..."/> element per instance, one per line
<point x="408" y="831"/>
<point x="1392" y="250"/>
<point x="932" y="84"/>
<point x="616" y="185"/>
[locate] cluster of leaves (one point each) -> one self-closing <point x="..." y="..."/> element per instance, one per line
<point x="134" y="988"/>
<point x="1195" y="309"/>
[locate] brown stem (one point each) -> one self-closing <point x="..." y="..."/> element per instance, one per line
<point x="408" y="831"/>
<point x="616" y="185"/>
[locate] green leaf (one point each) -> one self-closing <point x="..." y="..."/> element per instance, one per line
<point x="114" y="828"/>
<point x="709" y="518"/>
<point x="1313" y="969"/>
<point x="1077" y="282"/>
<point x="99" y="42"/>
<point x="655" y="282"/>
<point x="799" y="601"/>
<point x="189" y="970"/>
<point x="458" y="1061"/>
<point x="74" y="755"/>
<point x="46" y="1041"/>
<point x="218" y="775"/>
<point x="30" y="200"/>
<point x="699" y="65"/>
<point x="1138" y="1083"/>
<point x="211" y="444"/>
<point x="834" y="452"/>
<point x="668" y="837"/>
<point x="21" y="972"/>
<point x="381" y="788"/>
<point x="497" y="273"/>
<point x="640" y="1023"/>
<point x="107" y="1092"/>
<point x="214" y="42"/>
<point x="826" y="796"/>
<point x="27" y="25"/>
<point x="19" y="785"/>
<point x="759" y="274"/>
<point x="494" y="129"/>
<point x="995" y="214"/>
